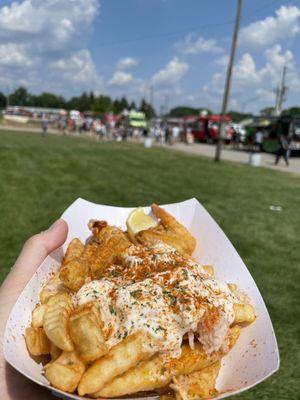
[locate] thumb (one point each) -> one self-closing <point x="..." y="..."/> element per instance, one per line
<point x="36" y="249"/>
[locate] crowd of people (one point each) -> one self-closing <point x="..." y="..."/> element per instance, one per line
<point x="283" y="148"/>
<point x="162" y="132"/>
<point x="118" y="129"/>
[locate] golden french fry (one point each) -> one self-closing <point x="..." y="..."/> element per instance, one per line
<point x="120" y="358"/>
<point x="52" y="287"/>
<point x="155" y="373"/>
<point x="243" y="314"/>
<point x="85" y="331"/>
<point x="74" y="250"/>
<point x="36" y="341"/>
<point x="198" y="385"/>
<point x="56" y="320"/>
<point x="74" y="273"/>
<point x="167" y="396"/>
<point x="38" y="316"/>
<point x="232" y="287"/>
<point x="65" y="372"/>
<point x="209" y="269"/>
<point x="55" y="351"/>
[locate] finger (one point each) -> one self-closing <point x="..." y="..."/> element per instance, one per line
<point x="36" y="249"/>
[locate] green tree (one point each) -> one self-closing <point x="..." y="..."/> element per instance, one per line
<point x="81" y="103"/>
<point x="2" y="100"/>
<point x="132" y="106"/>
<point x="237" y="117"/>
<point x="147" y="109"/>
<point x="19" y="97"/>
<point x="267" y="111"/>
<point x="102" y="104"/>
<point x="120" y="105"/>
<point x="124" y="103"/>
<point x="292" y="111"/>
<point x="48" y="100"/>
<point x="182" y="111"/>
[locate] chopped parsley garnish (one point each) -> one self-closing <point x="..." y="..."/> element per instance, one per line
<point x="172" y="299"/>
<point x="183" y="290"/>
<point x="112" y="310"/>
<point x="135" y="293"/>
<point x="160" y="328"/>
<point x="114" y="273"/>
<point x="185" y="274"/>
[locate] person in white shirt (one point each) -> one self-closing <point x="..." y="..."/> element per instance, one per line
<point x="175" y="133"/>
<point x="258" y="139"/>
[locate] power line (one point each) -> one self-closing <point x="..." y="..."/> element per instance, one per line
<point x="166" y="34"/>
<point x="185" y="30"/>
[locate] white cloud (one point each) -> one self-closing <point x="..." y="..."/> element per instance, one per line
<point x="245" y="72"/>
<point x="197" y="46"/>
<point x="276" y="59"/>
<point x="78" y="69"/>
<point x="127" y="62"/>
<point x="222" y="61"/>
<point x="14" y="55"/>
<point x="172" y="72"/>
<point x="286" y="24"/>
<point x="120" y="78"/>
<point x="250" y="81"/>
<point x="48" y="38"/>
<point x="55" y="19"/>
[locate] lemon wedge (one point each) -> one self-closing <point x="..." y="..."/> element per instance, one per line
<point x="139" y="221"/>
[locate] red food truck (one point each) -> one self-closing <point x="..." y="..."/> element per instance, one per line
<point x="205" y="127"/>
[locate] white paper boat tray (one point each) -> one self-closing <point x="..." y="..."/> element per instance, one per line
<point x="254" y="357"/>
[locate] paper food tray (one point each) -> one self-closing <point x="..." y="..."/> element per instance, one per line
<point x="254" y="357"/>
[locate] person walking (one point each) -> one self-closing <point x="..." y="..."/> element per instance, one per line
<point x="175" y="134"/>
<point x="258" y="139"/>
<point x="283" y="149"/>
<point x="44" y="125"/>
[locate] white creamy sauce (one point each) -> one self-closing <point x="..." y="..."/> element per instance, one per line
<point x="166" y="305"/>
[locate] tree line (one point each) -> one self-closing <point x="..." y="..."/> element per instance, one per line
<point x="102" y="104"/>
<point x="99" y="105"/>
<point x="182" y="111"/>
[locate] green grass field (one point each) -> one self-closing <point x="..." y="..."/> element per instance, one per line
<point x="40" y="177"/>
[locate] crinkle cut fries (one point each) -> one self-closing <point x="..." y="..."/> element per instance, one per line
<point x="128" y="313"/>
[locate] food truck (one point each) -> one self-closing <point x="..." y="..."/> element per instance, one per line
<point x="205" y="128"/>
<point x="272" y="127"/>
<point x="137" y="120"/>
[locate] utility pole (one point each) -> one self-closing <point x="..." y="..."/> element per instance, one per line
<point x="281" y="93"/>
<point x="228" y="79"/>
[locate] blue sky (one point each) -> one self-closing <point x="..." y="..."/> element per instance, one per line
<point x="180" y="48"/>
